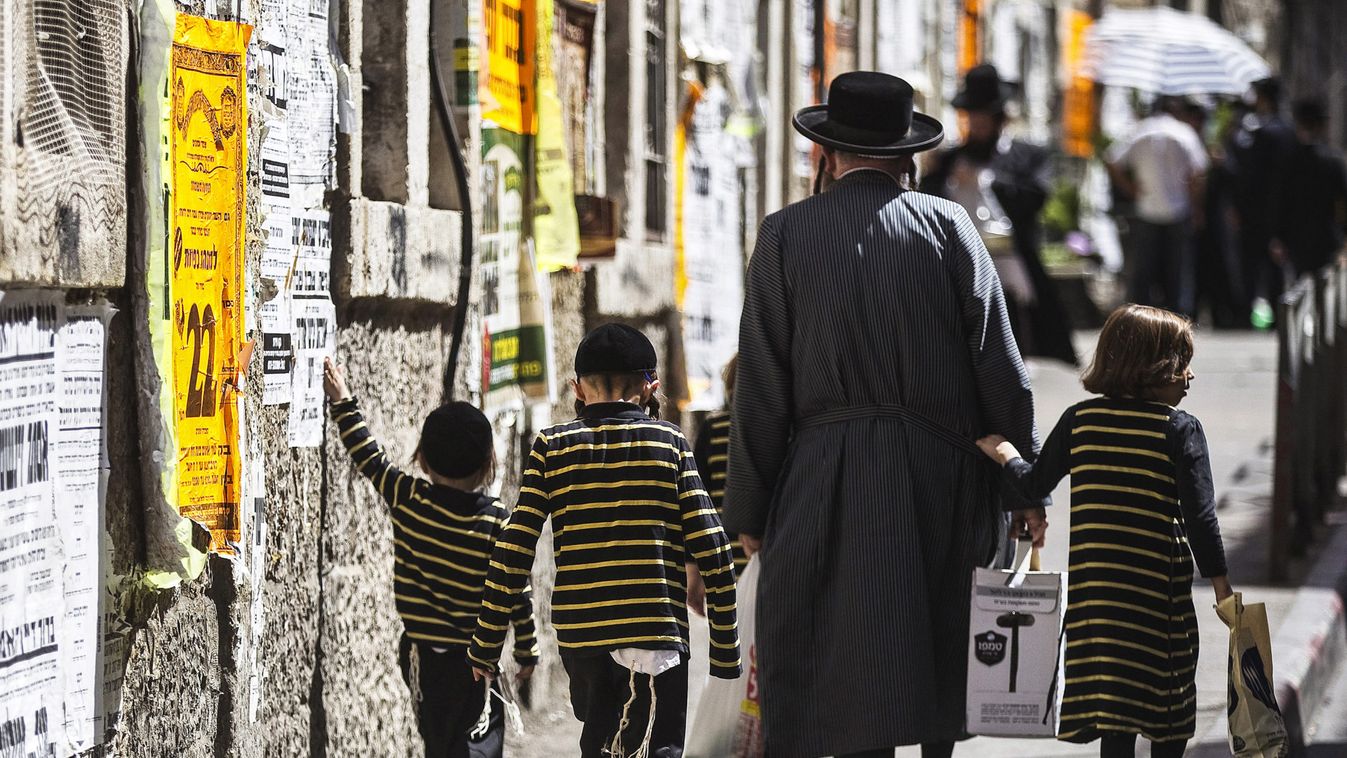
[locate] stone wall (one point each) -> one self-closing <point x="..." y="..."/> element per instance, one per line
<point x="324" y="657"/>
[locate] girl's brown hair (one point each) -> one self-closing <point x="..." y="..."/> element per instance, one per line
<point x="1140" y="349"/>
<point x="729" y="374"/>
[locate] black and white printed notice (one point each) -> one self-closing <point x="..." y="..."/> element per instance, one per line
<point x="31" y="602"/>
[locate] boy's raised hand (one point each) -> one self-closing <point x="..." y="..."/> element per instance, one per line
<point x="334" y="383"/>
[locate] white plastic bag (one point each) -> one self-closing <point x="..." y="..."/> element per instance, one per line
<point x="728" y="723"/>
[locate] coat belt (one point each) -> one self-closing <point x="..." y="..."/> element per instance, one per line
<point x="888" y="412"/>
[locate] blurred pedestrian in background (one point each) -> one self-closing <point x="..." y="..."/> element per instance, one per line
<point x="1162" y="166"/>
<point x="1310" y="228"/>
<point x="1009" y="179"/>
<point x="1259" y="153"/>
<point x="1219" y="275"/>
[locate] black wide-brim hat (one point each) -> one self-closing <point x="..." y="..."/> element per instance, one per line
<point x="983" y="91"/>
<point x="870" y="114"/>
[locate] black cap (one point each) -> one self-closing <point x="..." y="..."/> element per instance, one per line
<point x="614" y="349"/>
<point x="456" y="440"/>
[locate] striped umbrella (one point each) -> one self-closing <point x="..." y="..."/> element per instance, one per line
<point x="1168" y="52"/>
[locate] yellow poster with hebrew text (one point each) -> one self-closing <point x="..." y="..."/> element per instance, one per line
<point x="509" y="95"/>
<point x="208" y="156"/>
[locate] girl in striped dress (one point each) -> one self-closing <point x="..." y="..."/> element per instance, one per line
<point x="444" y="528"/>
<point x="1142" y="510"/>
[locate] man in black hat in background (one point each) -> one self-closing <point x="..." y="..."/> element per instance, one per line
<point x="1020" y="181"/>
<point x="874" y="347"/>
<point x="1259" y="153"/>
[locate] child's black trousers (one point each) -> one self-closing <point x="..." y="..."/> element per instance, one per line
<point x="451" y="703"/>
<point x="600" y="688"/>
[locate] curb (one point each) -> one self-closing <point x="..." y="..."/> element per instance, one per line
<point x="1312" y="640"/>
<point x="1310" y="644"/>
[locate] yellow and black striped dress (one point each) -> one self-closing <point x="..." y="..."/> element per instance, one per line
<point x="1142" y="508"/>
<point x="713" y="459"/>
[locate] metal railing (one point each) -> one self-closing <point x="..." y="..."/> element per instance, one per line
<point x="1311" y="431"/>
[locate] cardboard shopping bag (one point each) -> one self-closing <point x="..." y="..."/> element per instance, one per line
<point x="1015" y="651"/>
<point x="1257" y="729"/>
<point x="728" y="723"/>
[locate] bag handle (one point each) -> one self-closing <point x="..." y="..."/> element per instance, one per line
<point x="1030" y="561"/>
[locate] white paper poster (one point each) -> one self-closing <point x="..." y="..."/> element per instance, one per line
<point x="256" y="562"/>
<point x="314" y="330"/>
<point x="81" y="485"/>
<point x="31" y="604"/>
<point x="802" y="163"/>
<point x="278" y="257"/>
<point x="713" y="256"/>
<point x="269" y="78"/>
<point x="312" y="94"/>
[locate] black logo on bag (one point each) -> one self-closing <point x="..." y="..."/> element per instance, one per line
<point x="990" y="647"/>
<point x="1256" y="679"/>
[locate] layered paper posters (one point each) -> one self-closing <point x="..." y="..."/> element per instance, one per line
<point x="208" y="175"/>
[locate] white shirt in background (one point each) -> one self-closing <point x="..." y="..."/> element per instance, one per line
<point x="1164" y="156"/>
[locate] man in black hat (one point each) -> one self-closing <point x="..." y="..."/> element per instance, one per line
<point x="874" y="347"/>
<point x="1018" y="176"/>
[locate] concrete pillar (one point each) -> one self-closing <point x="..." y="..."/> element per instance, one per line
<point x="396" y="109"/>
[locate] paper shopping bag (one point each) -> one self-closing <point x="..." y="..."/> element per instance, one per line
<point x="1257" y="729"/>
<point x="1015" y="653"/>
<point x="728" y="723"/>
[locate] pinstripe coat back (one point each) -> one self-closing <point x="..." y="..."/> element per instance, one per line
<point x="869" y="295"/>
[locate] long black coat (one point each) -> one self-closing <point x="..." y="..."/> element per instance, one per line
<point x="868" y="295"/>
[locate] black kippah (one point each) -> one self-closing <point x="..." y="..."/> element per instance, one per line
<point x="614" y="349"/>
<point x="456" y="440"/>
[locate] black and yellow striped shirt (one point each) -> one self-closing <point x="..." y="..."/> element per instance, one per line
<point x="713" y="461"/>
<point x="442" y="540"/>
<point x="628" y="509"/>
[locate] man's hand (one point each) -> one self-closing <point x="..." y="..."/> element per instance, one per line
<point x="1032" y="522"/>
<point x="696" y="590"/>
<point x="751" y="544"/>
<point x="334" y="383"/>
<point x="480" y="674"/>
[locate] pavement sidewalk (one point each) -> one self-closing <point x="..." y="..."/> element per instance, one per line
<point x="1234" y="398"/>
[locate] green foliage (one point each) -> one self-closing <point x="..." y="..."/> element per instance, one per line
<point x="1061" y="212"/>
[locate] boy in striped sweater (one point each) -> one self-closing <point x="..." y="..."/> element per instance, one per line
<point x="630" y="521"/>
<point x="444" y="529"/>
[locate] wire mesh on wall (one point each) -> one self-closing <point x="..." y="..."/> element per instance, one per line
<point x="72" y="133"/>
